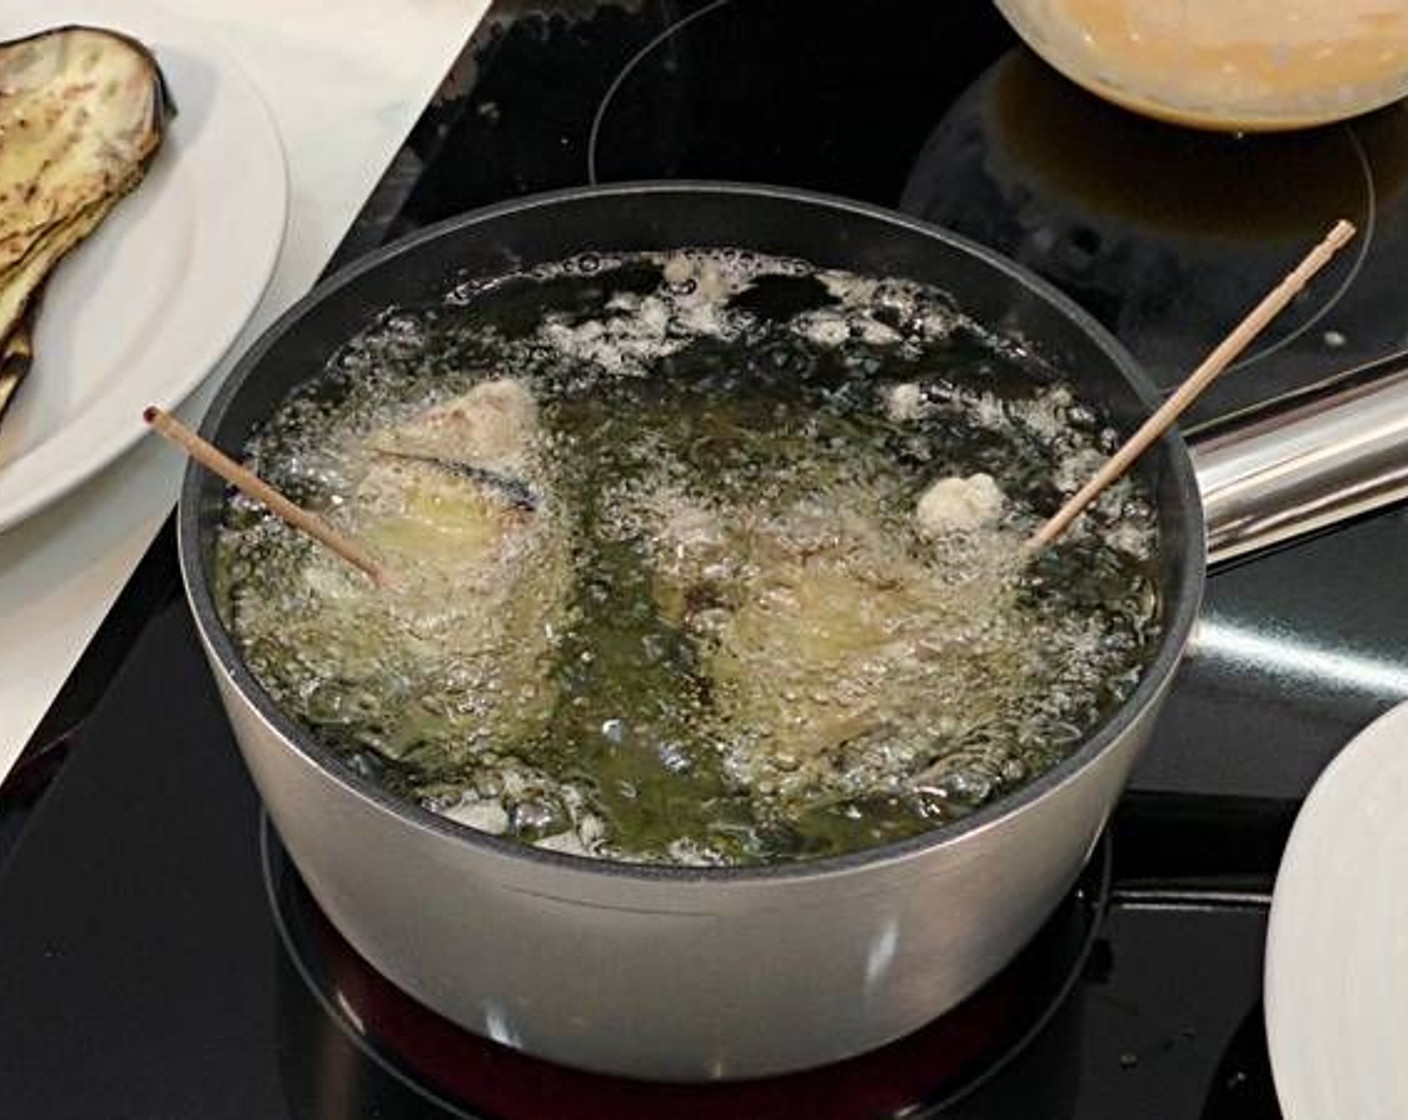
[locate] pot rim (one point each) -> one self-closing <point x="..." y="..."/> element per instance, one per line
<point x="1187" y="579"/>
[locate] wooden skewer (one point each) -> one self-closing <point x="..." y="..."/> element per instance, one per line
<point x="1198" y="380"/>
<point x="212" y="458"/>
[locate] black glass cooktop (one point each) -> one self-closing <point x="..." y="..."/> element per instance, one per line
<point x="159" y="956"/>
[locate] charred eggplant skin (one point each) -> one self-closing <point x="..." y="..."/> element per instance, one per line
<point x="17" y="354"/>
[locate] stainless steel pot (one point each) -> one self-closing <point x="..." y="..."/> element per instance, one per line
<point x="683" y="973"/>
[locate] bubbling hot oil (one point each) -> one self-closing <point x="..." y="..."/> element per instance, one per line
<point x="720" y="636"/>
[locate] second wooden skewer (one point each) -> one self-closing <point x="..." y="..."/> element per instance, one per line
<point x="1220" y="358"/>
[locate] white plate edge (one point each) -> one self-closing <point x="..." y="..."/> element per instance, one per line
<point x="1303" y="1015"/>
<point x="15" y="508"/>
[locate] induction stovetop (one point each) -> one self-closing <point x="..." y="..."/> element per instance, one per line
<point x="159" y="956"/>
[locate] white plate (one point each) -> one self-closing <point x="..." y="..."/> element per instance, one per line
<point x="1337" y="955"/>
<point x="143" y="310"/>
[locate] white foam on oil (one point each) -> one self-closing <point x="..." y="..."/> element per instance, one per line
<point x="856" y="661"/>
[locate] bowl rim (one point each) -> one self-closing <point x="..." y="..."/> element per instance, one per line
<point x="1186" y="582"/>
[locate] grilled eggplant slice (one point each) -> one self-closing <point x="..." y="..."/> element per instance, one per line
<point x="82" y="112"/>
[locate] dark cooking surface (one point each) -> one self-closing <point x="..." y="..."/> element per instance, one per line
<point x="141" y="970"/>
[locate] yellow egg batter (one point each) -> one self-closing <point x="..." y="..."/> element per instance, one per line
<point x="1236" y="64"/>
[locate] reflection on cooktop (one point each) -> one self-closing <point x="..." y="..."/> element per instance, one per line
<point x="1169" y="235"/>
<point x="462" y="1074"/>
